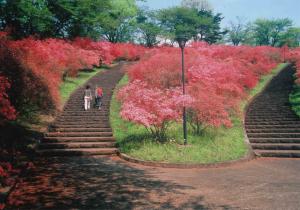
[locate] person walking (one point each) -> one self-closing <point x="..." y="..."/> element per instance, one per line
<point x="98" y="97"/>
<point x="87" y="97"/>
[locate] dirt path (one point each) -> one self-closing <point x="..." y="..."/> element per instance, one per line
<point x="110" y="183"/>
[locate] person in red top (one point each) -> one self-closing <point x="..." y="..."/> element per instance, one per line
<point x="98" y="97"/>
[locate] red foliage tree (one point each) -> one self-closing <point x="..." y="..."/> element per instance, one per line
<point x="37" y="67"/>
<point x="218" y="78"/>
<point x="152" y="107"/>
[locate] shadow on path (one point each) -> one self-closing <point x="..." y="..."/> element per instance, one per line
<point x="88" y="183"/>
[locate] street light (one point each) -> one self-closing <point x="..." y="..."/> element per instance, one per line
<point x="181" y="42"/>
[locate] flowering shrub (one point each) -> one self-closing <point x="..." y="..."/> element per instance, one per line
<point x="127" y="51"/>
<point x="218" y="78"/>
<point x="108" y="52"/>
<point x="37" y="67"/>
<point x="7" y="111"/>
<point x="102" y="49"/>
<point x="152" y="107"/>
<point x="293" y="55"/>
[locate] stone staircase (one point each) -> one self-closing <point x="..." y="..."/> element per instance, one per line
<point x="79" y="132"/>
<point x="272" y="127"/>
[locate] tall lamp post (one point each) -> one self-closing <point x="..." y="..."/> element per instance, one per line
<point x="181" y="42"/>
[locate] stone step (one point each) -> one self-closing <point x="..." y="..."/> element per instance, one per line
<point x="82" y="116"/>
<point x="273" y="146"/>
<point x="78" y="134"/>
<point x="82" y="124"/>
<point x="279" y="153"/>
<point x="268" y="118"/>
<point x="269" y="110"/>
<point x="275" y="140"/>
<point x="296" y="120"/>
<point x="260" y="116"/>
<point x="274" y="130"/>
<point x="81" y="103"/>
<point x="77" y="139"/>
<point x="290" y="126"/>
<point x="55" y="126"/>
<point x="266" y="113"/>
<point x="273" y="135"/>
<point x="274" y="123"/>
<point x="83" y="130"/>
<point x="78" y="121"/>
<point x="81" y="109"/>
<point x="78" y="152"/>
<point x="270" y="107"/>
<point x="85" y="113"/>
<point x="77" y="145"/>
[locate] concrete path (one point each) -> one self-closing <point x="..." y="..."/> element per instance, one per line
<point x="111" y="183"/>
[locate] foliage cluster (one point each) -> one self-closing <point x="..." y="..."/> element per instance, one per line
<point x="109" y="19"/>
<point x="7" y="111"/>
<point x="35" y="68"/>
<point x="272" y="32"/>
<point x="293" y="55"/>
<point x="218" y="78"/>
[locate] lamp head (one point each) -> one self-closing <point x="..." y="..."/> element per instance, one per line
<point x="181" y="41"/>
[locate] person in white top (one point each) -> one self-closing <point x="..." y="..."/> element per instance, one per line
<point x="87" y="97"/>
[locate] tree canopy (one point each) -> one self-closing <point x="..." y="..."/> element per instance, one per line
<point x="200" y="25"/>
<point x="64" y="18"/>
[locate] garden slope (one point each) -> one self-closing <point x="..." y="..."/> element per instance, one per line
<point x="272" y="127"/>
<point x="79" y="132"/>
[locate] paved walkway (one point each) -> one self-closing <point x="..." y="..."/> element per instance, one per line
<point x="110" y="183"/>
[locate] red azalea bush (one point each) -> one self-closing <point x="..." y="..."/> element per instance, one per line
<point x="218" y="78"/>
<point x="109" y="52"/>
<point x="7" y="111"/>
<point x="37" y="67"/>
<point x="293" y="55"/>
<point x="127" y="51"/>
<point x="102" y="49"/>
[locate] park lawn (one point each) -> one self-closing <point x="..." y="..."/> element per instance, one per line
<point x="72" y="83"/>
<point x="295" y="99"/>
<point x="214" y="145"/>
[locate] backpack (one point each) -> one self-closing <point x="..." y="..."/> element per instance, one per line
<point x="99" y="92"/>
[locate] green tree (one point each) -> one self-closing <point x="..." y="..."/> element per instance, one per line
<point x="197" y="4"/>
<point x="58" y="18"/>
<point x="291" y="38"/>
<point x="148" y="27"/>
<point x="270" y="32"/>
<point x="79" y="17"/>
<point x="238" y="32"/>
<point x="209" y="28"/>
<point x="119" y="22"/>
<point x="179" y="21"/>
<point x="26" y="18"/>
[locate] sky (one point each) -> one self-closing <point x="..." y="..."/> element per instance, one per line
<point x="248" y="10"/>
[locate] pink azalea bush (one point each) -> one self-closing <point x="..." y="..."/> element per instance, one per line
<point x="217" y="79"/>
<point x="152" y="107"/>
